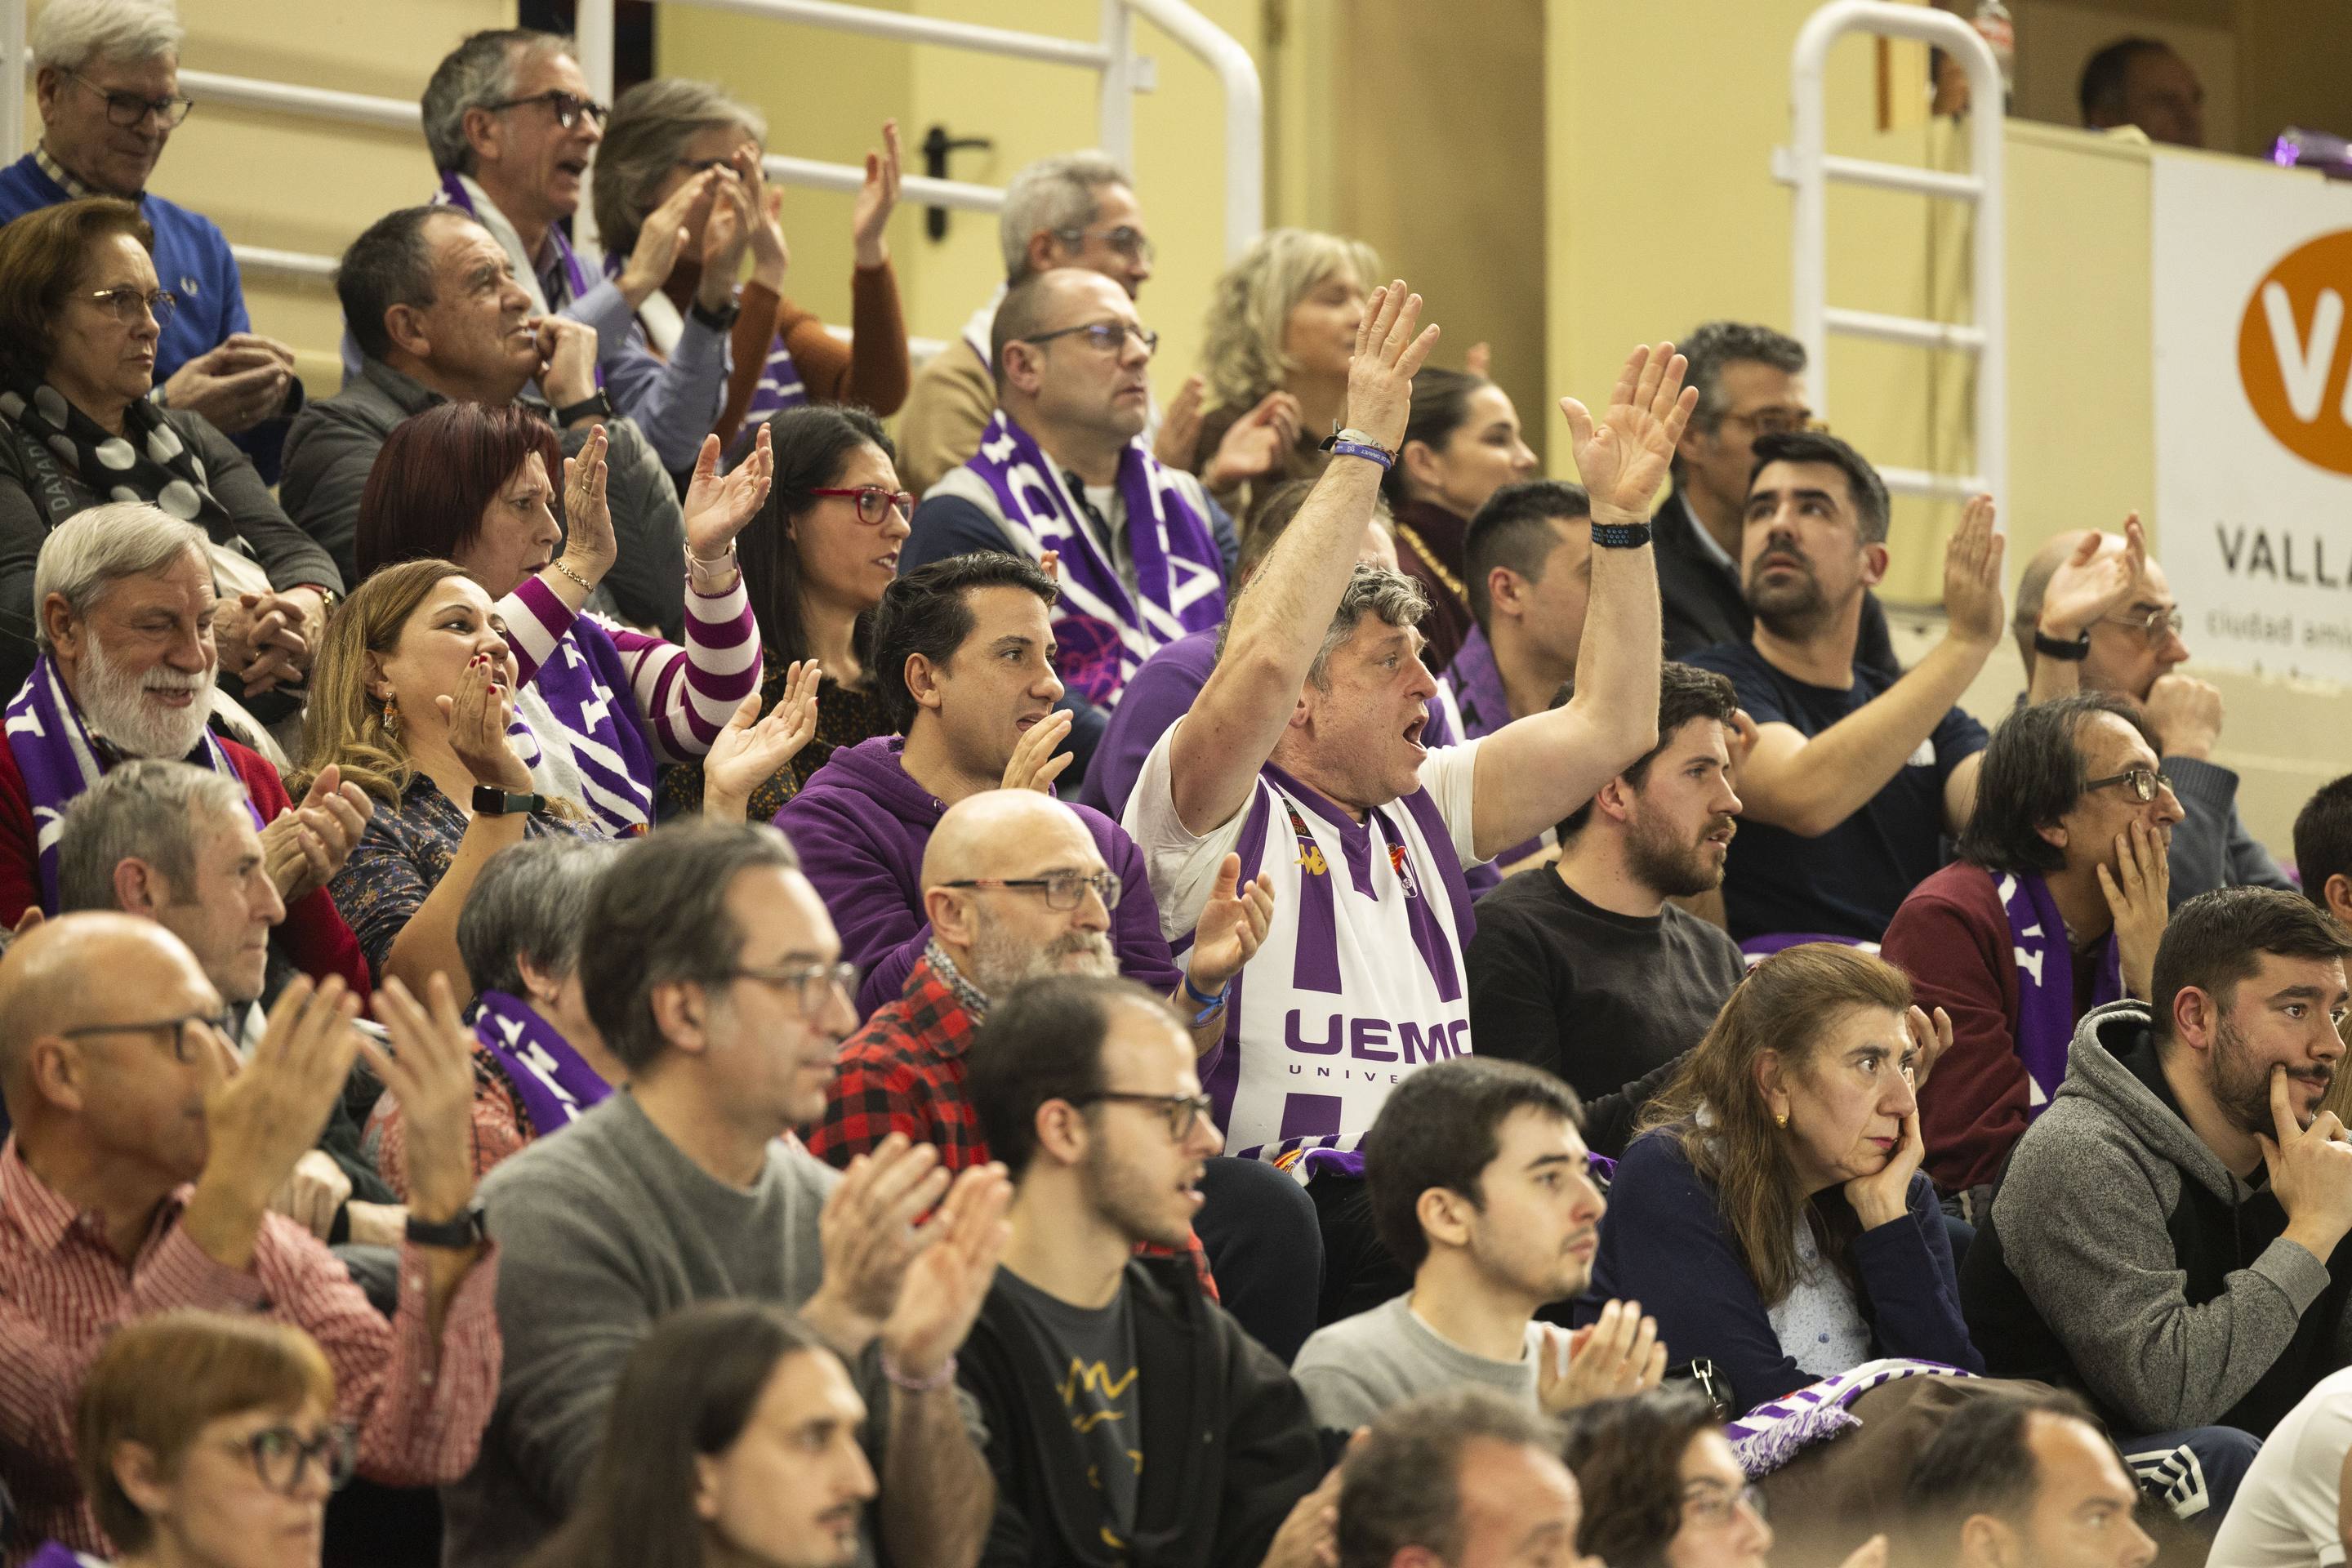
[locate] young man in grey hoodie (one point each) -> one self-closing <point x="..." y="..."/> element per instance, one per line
<point x="2168" y="1235"/>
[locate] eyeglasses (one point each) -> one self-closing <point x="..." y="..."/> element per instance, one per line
<point x="568" y="107"/>
<point x="1779" y="422"/>
<point x="282" y="1456"/>
<point x="812" y="984"/>
<point x="875" y="503"/>
<point x="2153" y="625"/>
<point x="1062" y="889"/>
<point x="126" y="304"/>
<point x="1184" y="1111"/>
<point x="1110" y="337"/>
<point x="1125" y="241"/>
<point x="2144" y="783"/>
<point x="1710" y="1503"/>
<point x="127" y="109"/>
<point x="184" y="1050"/>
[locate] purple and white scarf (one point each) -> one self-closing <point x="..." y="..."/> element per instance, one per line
<point x="1772" y="1433"/>
<point x="59" y="760"/>
<point x="554" y="1084"/>
<point x="469" y="198"/>
<point x="577" y="729"/>
<point x="2045" y="982"/>
<point x="1102" y="632"/>
<point x="57" y="1554"/>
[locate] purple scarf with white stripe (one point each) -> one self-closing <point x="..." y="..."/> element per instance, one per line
<point x="551" y="1079"/>
<point x="1776" y="1431"/>
<point x="2045" y="982"/>
<point x="591" y="716"/>
<point x="55" y="752"/>
<point x="57" y="1554"/>
<point x="1102" y="632"/>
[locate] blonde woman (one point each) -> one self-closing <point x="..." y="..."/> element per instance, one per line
<point x="1282" y="323"/>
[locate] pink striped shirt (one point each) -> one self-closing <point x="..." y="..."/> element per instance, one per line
<point x="419" y="1407"/>
<point x="686" y="694"/>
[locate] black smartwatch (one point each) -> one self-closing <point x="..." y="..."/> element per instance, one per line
<point x="1620" y="535"/>
<point x="2074" y="652"/>
<point x="717" y="320"/>
<point x="465" y="1229"/>
<point x="489" y="802"/>
<point x="597" y="403"/>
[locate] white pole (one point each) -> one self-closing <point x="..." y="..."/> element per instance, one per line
<point x="593" y="26"/>
<point x="1245" y="113"/>
<point x="1115" y="130"/>
<point x="13" y="66"/>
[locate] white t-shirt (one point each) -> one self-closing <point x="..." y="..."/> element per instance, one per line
<point x="2285" y="1514"/>
<point x="1361" y="975"/>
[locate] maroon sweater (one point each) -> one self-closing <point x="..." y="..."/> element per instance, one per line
<point x="1951" y="937"/>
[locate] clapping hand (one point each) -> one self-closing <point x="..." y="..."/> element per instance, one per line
<point x="1972" y="592"/>
<point x="867" y="1232"/>
<point x="1623" y="456"/>
<point x="1232" y="923"/>
<point x="725" y="234"/>
<point x="305" y="845"/>
<point x="660" y="237"/>
<point x="1254" y="445"/>
<point x="261" y="1118"/>
<point x="430" y="1069"/>
<point x="948" y="1278"/>
<point x="716" y="509"/>
<point x="750" y="749"/>
<point x="1618" y="1355"/>
<point x="2088" y="586"/>
<point x="870" y="217"/>
<point x="1389" y="354"/>
<point x="589" y="547"/>
<point x="1178" y="445"/>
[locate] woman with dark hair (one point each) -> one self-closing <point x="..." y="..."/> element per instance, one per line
<point x="1462" y="444"/>
<point x="2054" y="907"/>
<point x="815" y="561"/>
<point x="80" y="314"/>
<point x="598" y="706"/>
<point x="1773" y="1217"/>
<point x="731" y="1442"/>
<point x="1660" y="1487"/>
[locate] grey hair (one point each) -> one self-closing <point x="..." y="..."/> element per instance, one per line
<point x="646" y="136"/>
<point x="1715" y="344"/>
<point x="70" y="33"/>
<point x="1400" y="1484"/>
<point x="1372" y="590"/>
<point x="87" y="552"/>
<point x="1053" y="194"/>
<point x="480" y="71"/>
<point x="531" y="902"/>
<point x="146" y="808"/>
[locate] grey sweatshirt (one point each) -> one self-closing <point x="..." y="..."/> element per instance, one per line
<point x="2122" y="1258"/>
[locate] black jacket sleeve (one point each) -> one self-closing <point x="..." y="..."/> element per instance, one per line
<point x="290" y="557"/>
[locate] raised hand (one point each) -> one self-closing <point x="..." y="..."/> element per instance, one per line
<point x="478" y="719"/>
<point x="724" y="236"/>
<point x="944" y="1286"/>
<point x="2310" y="1170"/>
<point x="750" y="749"/>
<point x="867" y="1234"/>
<point x="1178" y="445"/>
<point x="1034" y="764"/>
<point x="1256" y="443"/>
<point x="716" y="509"/>
<point x="589" y="547"/>
<point x="305" y="845"/>
<point x="430" y="1067"/>
<point x="1930" y="1038"/>
<point x="1617" y="1355"/>
<point x="1389" y="354"/>
<point x="1883" y="1197"/>
<point x="660" y="239"/>
<point x="870" y="217"/>
<point x="771" y="257"/>
<point x="1233" y="922"/>
<point x="2087" y="587"/>
<point x="2139" y="896"/>
<point x="1623" y="456"/>
<point x="1972" y="594"/>
<point x="261" y="1118"/>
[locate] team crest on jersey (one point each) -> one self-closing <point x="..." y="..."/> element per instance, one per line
<point x="1403" y="865"/>
<point x="1310" y="854"/>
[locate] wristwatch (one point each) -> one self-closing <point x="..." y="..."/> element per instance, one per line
<point x="489" y="802"/>
<point x="462" y="1229"/>
<point x="717" y="320"/>
<point x="2071" y="652"/>
<point x="1620" y="535"/>
<point x="598" y="404"/>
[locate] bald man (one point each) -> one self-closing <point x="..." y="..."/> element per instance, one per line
<point x="1015" y="890"/>
<point x="138" y="1181"/>
<point x="2095" y="613"/>
<point x="1145" y="553"/>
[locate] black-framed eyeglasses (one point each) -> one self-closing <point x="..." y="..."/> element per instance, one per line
<point x="812" y="984"/>
<point x="1125" y="240"/>
<point x="1109" y="337"/>
<point x="2143" y="782"/>
<point x="1184" y="1111"/>
<point x="873" y="502"/>
<point x="1062" y="889"/>
<point x="129" y="110"/>
<point x="568" y="107"/>
<point x="282" y="1456"/>
<point x="1780" y="422"/>
<point x="2153" y="625"/>
<point x="184" y="1049"/>
<point x="126" y="303"/>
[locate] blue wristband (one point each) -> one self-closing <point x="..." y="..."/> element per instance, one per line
<point x="1354" y="449"/>
<point x="1208" y="1004"/>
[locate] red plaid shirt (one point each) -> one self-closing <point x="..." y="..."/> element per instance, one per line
<point x="420" y="1406"/>
<point x="903" y="1073"/>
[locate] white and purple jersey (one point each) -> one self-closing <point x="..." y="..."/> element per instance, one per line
<point x="1361" y="978"/>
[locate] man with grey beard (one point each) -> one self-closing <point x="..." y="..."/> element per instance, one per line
<point x="1016" y="891"/>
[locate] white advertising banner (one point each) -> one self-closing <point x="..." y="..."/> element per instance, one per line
<point x="2253" y="412"/>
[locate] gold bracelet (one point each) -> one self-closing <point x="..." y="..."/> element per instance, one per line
<point x="568" y="572"/>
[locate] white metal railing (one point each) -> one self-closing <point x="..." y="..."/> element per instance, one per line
<point x="1121" y="74"/>
<point x="1808" y="164"/>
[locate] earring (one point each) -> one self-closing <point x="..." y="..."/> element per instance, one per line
<point x="1781" y="1121"/>
<point x="391" y="715"/>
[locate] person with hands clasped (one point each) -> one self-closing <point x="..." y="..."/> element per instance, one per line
<point x="2055" y="906"/>
<point x="719" y="985"/>
<point x="139" y="1178"/>
<point x="2168" y="1236"/>
<point x="1774" y="1217"/>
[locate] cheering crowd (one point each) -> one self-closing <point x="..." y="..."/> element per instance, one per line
<point x="1239" y="981"/>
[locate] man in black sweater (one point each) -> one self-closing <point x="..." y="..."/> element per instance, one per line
<point x="1130" y="1417"/>
<point x="1582" y="967"/>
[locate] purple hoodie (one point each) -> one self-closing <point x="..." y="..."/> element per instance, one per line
<point x="861" y="823"/>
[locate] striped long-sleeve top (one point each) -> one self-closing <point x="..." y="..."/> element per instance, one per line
<point x="599" y="707"/>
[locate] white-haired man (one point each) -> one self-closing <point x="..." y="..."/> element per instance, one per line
<point x="107" y="80"/>
<point x="123" y="596"/>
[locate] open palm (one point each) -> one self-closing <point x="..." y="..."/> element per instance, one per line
<point x="716" y="509"/>
<point x="1623" y="456"/>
